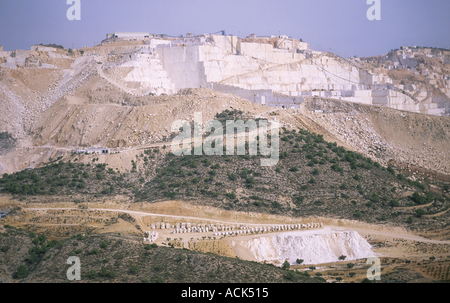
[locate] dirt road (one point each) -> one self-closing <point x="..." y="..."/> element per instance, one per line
<point x="362" y="231"/>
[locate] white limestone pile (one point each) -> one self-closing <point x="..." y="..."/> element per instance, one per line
<point x="313" y="248"/>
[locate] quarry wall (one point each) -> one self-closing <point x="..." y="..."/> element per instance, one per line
<point x="275" y="71"/>
<point x="314" y="247"/>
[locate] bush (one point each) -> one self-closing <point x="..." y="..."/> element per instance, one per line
<point x="342" y="257"/>
<point x="418" y="199"/>
<point x="420" y="212"/>
<point x="391" y="170"/>
<point x="382" y="218"/>
<point x="22" y="272"/>
<point x="157" y="267"/>
<point x="232" y="177"/>
<point x="286" y="265"/>
<point x="409" y="220"/>
<point x="298" y="200"/>
<point x="357" y="214"/>
<point x="134" y="270"/>
<point x="111" y="274"/>
<point x="290" y="275"/>
<point x="231" y="195"/>
<point x="299" y="261"/>
<point x="337" y="168"/>
<point x="394" y="203"/>
<point x="92" y="274"/>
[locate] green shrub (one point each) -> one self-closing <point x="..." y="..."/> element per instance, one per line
<point x="394" y="203"/>
<point x="418" y="199"/>
<point x="286" y="265"/>
<point x="134" y="270"/>
<point x="231" y="195"/>
<point x="22" y="272"/>
<point x="92" y="274"/>
<point x="420" y="212"/>
<point x="290" y="275"/>
<point x="232" y="177"/>
<point x="391" y="170"/>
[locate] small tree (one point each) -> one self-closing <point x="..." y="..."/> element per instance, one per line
<point x="299" y="261"/>
<point x="342" y="257"/>
<point x="286" y="265"/>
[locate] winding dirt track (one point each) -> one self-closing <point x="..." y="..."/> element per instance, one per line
<point x="362" y="231"/>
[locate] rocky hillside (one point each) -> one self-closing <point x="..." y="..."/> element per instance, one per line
<point x="312" y="178"/>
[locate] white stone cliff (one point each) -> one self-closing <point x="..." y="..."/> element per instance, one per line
<point x="314" y="247"/>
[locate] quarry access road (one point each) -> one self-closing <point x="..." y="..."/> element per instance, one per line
<point x="362" y="231"/>
<point x="113" y="82"/>
<point x="140" y="213"/>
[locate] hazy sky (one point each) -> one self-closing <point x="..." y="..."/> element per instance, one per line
<point x="340" y="25"/>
